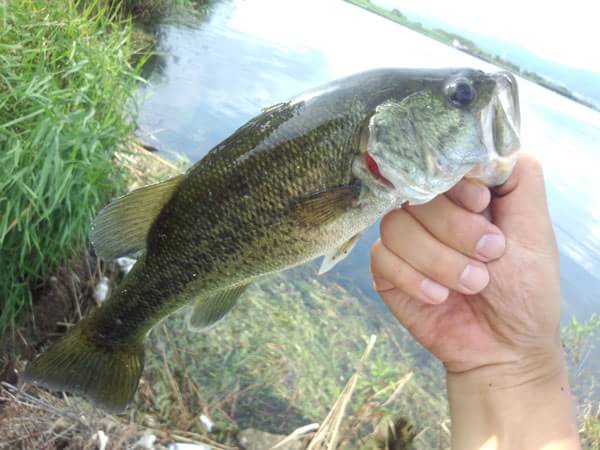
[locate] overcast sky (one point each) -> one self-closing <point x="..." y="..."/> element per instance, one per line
<point x="566" y="32"/>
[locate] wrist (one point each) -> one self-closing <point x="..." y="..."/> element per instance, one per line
<point x="534" y="370"/>
<point x="525" y="404"/>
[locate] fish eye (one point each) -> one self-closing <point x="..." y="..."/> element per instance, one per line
<point x="461" y="92"/>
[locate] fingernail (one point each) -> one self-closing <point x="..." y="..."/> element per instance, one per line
<point x="381" y="284"/>
<point x="435" y="292"/>
<point x="490" y="246"/>
<point x="474" y="278"/>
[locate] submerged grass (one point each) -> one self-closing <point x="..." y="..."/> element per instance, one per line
<point x="580" y="340"/>
<point x="281" y="359"/>
<point x="278" y="362"/>
<point x="65" y="80"/>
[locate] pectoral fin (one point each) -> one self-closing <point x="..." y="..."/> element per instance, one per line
<point x="323" y="207"/>
<point x="210" y="309"/>
<point x="120" y="228"/>
<point x="332" y="258"/>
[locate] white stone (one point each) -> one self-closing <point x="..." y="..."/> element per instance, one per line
<point x="101" y="290"/>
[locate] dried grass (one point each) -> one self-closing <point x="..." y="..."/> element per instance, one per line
<point x="36" y="419"/>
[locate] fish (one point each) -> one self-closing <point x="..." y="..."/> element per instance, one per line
<point x="301" y="180"/>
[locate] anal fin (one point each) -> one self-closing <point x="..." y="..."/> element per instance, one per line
<point x="208" y="310"/>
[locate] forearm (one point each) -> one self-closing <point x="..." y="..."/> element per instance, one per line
<point x="527" y="408"/>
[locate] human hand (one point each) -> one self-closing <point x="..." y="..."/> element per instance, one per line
<point x="487" y="307"/>
<point x="475" y="289"/>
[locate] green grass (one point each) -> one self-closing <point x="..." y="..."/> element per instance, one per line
<point x="284" y="354"/>
<point x="148" y="13"/>
<point x="64" y="84"/>
<point x="282" y="357"/>
<point x="279" y="361"/>
<point x="580" y="340"/>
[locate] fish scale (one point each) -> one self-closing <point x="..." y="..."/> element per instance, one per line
<point x="230" y="227"/>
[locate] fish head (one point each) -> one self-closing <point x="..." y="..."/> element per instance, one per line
<point x="418" y="144"/>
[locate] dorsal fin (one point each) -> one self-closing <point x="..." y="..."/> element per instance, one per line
<point x="121" y="227"/>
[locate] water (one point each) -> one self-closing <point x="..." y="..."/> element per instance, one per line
<point x="248" y="55"/>
<point x="576" y="76"/>
<point x="215" y="76"/>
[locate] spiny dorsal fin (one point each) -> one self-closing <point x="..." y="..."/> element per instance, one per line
<point x="120" y="228"/>
<point x="335" y="256"/>
<point x="210" y="309"/>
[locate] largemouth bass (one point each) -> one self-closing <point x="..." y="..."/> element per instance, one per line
<point x="301" y="180"/>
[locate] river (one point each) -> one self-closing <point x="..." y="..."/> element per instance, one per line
<point x="211" y="78"/>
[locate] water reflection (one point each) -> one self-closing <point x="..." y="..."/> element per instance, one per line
<point x="249" y="55"/>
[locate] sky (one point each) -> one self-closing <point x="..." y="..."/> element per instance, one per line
<point x="564" y="32"/>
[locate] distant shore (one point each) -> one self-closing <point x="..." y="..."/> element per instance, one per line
<point x="469" y="47"/>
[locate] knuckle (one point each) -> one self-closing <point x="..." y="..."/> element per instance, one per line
<point x="464" y="230"/>
<point x="399" y="276"/>
<point x="456" y="192"/>
<point x="393" y="271"/>
<point x="532" y="163"/>
<point x="445" y="267"/>
<point x="388" y="226"/>
<point x="376" y="252"/>
<point x="455" y="225"/>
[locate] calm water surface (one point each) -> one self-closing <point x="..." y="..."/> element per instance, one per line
<point x="215" y="76"/>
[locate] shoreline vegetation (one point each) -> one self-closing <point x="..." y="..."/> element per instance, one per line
<point x="280" y="360"/>
<point x="68" y="74"/>
<point x="467" y="46"/>
<point x="65" y="81"/>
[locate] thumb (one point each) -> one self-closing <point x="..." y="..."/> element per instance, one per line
<point x="519" y="207"/>
<point x="525" y="282"/>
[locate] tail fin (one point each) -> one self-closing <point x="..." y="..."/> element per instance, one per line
<point x="107" y="375"/>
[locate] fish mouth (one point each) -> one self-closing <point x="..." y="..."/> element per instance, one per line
<point x="505" y="115"/>
<point x="500" y="128"/>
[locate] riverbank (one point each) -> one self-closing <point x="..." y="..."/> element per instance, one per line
<point x="65" y="82"/>
<point x="68" y="76"/>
